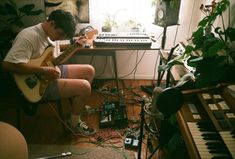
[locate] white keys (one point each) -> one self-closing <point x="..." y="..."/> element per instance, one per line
<point x="229" y="141"/>
<point x="201" y="143"/>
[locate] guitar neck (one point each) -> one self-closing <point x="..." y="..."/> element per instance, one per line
<point x="65" y="54"/>
<point x="73" y="48"/>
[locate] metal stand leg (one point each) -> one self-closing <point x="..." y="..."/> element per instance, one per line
<point x="160" y="74"/>
<point x="141" y="128"/>
<point x="154" y="152"/>
<point x="115" y="72"/>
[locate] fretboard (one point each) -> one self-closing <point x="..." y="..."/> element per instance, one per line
<point x="65" y="54"/>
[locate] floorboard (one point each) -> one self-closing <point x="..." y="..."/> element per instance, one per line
<point x="47" y="128"/>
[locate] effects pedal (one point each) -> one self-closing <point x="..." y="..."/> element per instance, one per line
<point x="131" y="143"/>
<point x="106" y="115"/>
<point x="113" y="114"/>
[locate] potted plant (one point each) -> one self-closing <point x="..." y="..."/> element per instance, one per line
<point x="214" y="61"/>
<point x="135" y="26"/>
<point x="109" y="23"/>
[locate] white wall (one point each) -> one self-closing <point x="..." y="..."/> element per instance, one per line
<point x="189" y="17"/>
<point x="126" y="60"/>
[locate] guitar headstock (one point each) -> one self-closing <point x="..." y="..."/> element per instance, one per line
<point x="86" y="38"/>
<point x="87" y="31"/>
<point x="90" y="34"/>
<point x="78" y="42"/>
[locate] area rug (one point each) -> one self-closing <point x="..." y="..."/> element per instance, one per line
<point x="43" y="151"/>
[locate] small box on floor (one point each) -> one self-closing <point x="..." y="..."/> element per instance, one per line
<point x="131" y="143"/>
<point x="113" y="114"/>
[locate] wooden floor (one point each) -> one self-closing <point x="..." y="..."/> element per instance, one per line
<point x="46" y="127"/>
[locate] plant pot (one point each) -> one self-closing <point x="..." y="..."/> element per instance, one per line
<point x="106" y="29"/>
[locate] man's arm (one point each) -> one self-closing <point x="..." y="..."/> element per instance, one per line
<point x="22" y="68"/>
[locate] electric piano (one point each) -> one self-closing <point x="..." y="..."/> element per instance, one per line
<point x="207" y="123"/>
<point x="123" y="39"/>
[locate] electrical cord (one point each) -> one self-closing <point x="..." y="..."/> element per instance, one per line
<point x="155" y="68"/>
<point x="92" y="59"/>
<point x="85" y="152"/>
<point x="136" y="63"/>
<point x="191" y="18"/>
<point x="176" y="33"/>
<point x="102" y="139"/>
<point x="64" y="123"/>
<point x="135" y="66"/>
<point x="105" y="65"/>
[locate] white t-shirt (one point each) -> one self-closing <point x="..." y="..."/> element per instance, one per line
<point x="30" y="43"/>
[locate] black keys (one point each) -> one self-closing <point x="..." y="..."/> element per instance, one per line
<point x="224" y="124"/>
<point x="218" y="115"/>
<point x="207" y="140"/>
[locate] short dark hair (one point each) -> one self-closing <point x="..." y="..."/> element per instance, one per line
<point x="65" y="21"/>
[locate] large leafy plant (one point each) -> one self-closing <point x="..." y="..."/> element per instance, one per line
<point x="12" y="15"/>
<point x="11" y="20"/>
<point x="209" y="52"/>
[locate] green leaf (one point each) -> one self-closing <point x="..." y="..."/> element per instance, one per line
<point x="10" y="9"/>
<point x="36" y="12"/>
<point x="204" y="22"/>
<point x="211" y="19"/>
<point x="194" y="59"/>
<point x="168" y="65"/>
<point x="197" y="36"/>
<point x="188" y="49"/>
<point x="210" y="71"/>
<point x="208" y="20"/>
<point x="215" y="48"/>
<point x="209" y="41"/>
<point x="3" y="10"/>
<point x="221" y="7"/>
<point x="11" y="19"/>
<point x="171" y="63"/>
<point x="18" y="23"/>
<point x="218" y="30"/>
<point x="230" y="33"/>
<point x="12" y="3"/>
<point x="163" y="67"/>
<point x="198" y="32"/>
<point x="27" y="8"/>
<point x="210" y="64"/>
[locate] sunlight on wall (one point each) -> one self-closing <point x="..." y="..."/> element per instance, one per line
<point x="127" y="13"/>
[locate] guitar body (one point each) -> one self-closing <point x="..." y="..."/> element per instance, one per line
<point x="32" y="86"/>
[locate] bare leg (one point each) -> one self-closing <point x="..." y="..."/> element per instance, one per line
<point x="77" y="86"/>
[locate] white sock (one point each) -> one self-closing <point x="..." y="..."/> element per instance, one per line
<point x="75" y="119"/>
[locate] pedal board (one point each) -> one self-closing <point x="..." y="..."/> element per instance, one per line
<point x="113" y="114"/>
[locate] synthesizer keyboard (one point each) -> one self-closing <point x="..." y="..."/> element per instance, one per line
<point x="123" y="39"/>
